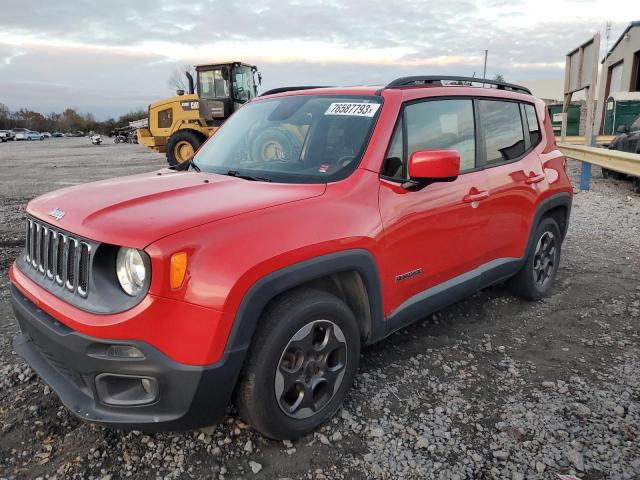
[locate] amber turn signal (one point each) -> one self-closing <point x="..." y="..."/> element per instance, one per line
<point x="178" y="269"/>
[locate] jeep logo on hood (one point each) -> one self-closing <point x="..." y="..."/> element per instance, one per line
<point x="56" y="213"/>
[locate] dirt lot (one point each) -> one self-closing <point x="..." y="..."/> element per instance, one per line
<point x="492" y="387"/>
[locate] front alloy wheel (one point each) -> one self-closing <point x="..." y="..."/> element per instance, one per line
<point x="311" y="369"/>
<point x="302" y="362"/>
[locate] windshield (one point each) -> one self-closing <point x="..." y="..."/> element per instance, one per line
<point x="295" y="139"/>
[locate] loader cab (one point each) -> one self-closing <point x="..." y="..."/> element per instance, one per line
<point x="223" y="88"/>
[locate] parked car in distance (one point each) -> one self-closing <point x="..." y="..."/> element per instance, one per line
<point x="6" y="135"/>
<point x="31" y="135"/>
<point x="20" y="133"/>
<point x="626" y="141"/>
<point x="57" y="134"/>
<point x="46" y="134"/>
<point x="313" y="223"/>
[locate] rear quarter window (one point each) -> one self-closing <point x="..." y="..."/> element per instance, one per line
<point x="532" y="121"/>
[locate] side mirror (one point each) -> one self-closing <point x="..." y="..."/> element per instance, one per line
<point x="622" y="129"/>
<point x="427" y="166"/>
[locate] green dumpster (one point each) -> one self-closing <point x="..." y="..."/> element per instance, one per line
<point x="573" y="119"/>
<point x="621" y="109"/>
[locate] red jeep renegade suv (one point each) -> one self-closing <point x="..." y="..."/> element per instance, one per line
<point x="314" y="222"/>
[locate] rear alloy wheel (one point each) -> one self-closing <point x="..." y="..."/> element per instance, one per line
<point x="544" y="259"/>
<point x="538" y="274"/>
<point x="182" y="147"/>
<point x="301" y="365"/>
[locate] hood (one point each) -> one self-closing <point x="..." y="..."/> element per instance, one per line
<point x="138" y="210"/>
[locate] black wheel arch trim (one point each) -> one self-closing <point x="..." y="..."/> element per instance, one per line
<point x="562" y="199"/>
<point x="268" y="287"/>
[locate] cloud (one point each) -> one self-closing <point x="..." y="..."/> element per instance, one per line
<point x="112" y="54"/>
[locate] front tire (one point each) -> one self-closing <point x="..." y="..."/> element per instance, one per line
<point x="537" y="276"/>
<point x="182" y="146"/>
<point x="302" y="362"/>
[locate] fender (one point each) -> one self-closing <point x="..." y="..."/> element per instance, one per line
<point x="562" y="199"/>
<point x="271" y="285"/>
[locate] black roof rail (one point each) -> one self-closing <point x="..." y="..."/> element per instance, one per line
<point x="437" y="80"/>
<point x="291" y="89"/>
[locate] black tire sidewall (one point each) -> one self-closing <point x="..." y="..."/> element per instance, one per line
<point x="545" y="225"/>
<point x="265" y="413"/>
<point x="180" y="136"/>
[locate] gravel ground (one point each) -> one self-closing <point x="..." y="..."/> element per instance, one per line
<point x="492" y="387"/>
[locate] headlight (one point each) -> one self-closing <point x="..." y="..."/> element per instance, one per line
<point x="130" y="270"/>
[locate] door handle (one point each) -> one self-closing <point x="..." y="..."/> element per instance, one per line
<point x="475" y="197"/>
<point x="535" y="178"/>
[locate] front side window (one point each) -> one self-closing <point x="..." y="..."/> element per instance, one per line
<point x="212" y="84"/>
<point x="433" y="125"/>
<point x="293" y="139"/>
<point x="243" y="86"/>
<point x="502" y="127"/>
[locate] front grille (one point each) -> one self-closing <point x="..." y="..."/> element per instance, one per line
<point x="58" y="256"/>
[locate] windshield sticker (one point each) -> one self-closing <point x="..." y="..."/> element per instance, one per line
<point x="353" y="109"/>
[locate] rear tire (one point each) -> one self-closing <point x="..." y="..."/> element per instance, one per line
<point x="301" y="365"/>
<point x="606" y="173"/>
<point x="182" y="146"/>
<point x="537" y="276"/>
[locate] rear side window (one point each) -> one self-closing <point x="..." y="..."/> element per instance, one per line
<point x="534" y="126"/>
<point x="502" y="127"/>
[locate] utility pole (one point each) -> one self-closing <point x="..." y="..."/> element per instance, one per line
<point x="484" y="71"/>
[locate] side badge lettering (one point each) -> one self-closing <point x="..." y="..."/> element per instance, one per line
<point x="410" y="274"/>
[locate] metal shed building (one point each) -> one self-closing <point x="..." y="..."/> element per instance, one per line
<point x="620" y="68"/>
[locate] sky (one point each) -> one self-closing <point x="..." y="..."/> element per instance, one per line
<point x="112" y="57"/>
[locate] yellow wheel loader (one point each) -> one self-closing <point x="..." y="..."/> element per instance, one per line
<point x="180" y="124"/>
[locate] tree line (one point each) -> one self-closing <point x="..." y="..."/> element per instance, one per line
<point x="70" y="120"/>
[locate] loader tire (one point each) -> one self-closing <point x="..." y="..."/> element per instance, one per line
<point x="182" y="146"/>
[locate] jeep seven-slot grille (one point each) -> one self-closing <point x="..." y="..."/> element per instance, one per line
<point x="58" y="256"/>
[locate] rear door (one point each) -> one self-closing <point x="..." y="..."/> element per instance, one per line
<point x="436" y="233"/>
<point x="510" y="134"/>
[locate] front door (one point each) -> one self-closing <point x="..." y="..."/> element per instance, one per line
<point x="436" y="234"/>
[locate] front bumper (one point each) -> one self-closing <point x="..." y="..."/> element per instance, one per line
<point x="186" y="396"/>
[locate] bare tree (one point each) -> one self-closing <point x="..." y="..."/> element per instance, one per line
<point x="178" y="80"/>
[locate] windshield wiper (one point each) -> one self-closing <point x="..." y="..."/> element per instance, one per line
<point x="235" y="173"/>
<point x="184" y="166"/>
